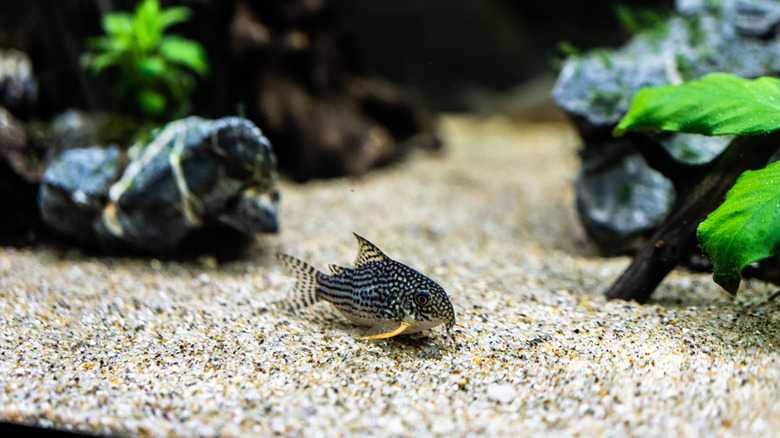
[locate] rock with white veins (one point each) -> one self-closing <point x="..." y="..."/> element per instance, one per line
<point x="195" y="174"/>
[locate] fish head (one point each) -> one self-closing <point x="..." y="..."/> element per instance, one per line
<point x="428" y="305"/>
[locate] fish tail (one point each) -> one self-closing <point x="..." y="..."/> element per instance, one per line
<point x="304" y="292"/>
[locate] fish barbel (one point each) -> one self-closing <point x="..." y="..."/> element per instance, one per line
<point x="377" y="292"/>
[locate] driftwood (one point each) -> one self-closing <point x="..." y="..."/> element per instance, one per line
<point x="296" y="69"/>
<point x="700" y="189"/>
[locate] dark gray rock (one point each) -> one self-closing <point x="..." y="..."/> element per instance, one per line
<point x="737" y="36"/>
<point x="196" y="173"/>
<point x="74" y="189"/>
<point x="18" y="86"/>
<point x="755" y="18"/>
<point x="74" y="129"/>
<point x="617" y="191"/>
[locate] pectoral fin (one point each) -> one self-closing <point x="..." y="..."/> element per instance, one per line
<point x="401" y="328"/>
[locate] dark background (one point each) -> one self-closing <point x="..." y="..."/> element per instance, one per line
<point x="442" y="50"/>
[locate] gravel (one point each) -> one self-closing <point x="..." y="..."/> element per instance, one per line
<point x="182" y="348"/>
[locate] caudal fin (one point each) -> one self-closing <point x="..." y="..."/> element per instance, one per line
<point x="304" y="292"/>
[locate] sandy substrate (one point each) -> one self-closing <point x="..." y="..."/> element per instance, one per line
<point x="143" y="347"/>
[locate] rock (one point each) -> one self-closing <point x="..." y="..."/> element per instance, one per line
<point x="74" y="183"/>
<point x="256" y="211"/>
<point x="20" y="223"/>
<point x="75" y="129"/>
<point x="13" y="142"/>
<point x="18" y="86"/>
<point x="754" y="18"/>
<point x="619" y="196"/>
<point x="74" y="189"/>
<point x="737" y="36"/>
<point x="195" y="174"/>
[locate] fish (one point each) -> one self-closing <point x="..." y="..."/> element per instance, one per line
<point x="378" y="292"/>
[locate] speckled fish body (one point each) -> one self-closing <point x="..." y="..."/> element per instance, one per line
<point x="377" y="292"/>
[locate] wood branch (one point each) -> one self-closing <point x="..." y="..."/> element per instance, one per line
<point x="700" y="194"/>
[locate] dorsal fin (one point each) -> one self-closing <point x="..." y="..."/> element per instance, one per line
<point x="368" y="253"/>
<point x="336" y="269"/>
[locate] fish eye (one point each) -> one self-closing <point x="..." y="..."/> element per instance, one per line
<point x="422" y="297"/>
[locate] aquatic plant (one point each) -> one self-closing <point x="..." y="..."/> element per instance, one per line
<point x="745" y="228"/>
<point x="637" y="20"/>
<point x="152" y="72"/>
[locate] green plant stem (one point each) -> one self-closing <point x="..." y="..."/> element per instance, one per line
<point x="700" y="189"/>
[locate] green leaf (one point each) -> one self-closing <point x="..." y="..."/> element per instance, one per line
<point x="185" y="52"/>
<point x="152" y="66"/>
<point x="154" y="71"/>
<point x="119" y="23"/>
<point x="102" y="43"/>
<point x="146" y="26"/>
<point x="745" y="228"/>
<point x="171" y="16"/>
<point x="716" y="104"/>
<point x="104" y="60"/>
<point x="152" y="103"/>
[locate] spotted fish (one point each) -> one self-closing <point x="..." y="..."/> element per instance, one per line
<point x="388" y="297"/>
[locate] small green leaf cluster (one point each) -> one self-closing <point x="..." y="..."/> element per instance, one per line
<point x="746" y="227"/>
<point x="152" y="72"/>
<point x="638" y="20"/>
